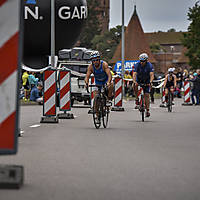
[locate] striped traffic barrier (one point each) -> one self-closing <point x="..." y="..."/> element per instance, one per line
<point x="163" y="99"/>
<point x="49" y="98"/>
<point x="118" y="95"/>
<point x="8" y="78"/>
<point x="187" y="99"/>
<point x="11" y="176"/>
<point x="92" y="90"/>
<point x="65" y="94"/>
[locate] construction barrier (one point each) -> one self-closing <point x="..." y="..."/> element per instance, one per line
<point x="92" y="90"/>
<point x="187" y="99"/>
<point x="65" y="94"/>
<point x="49" y="98"/>
<point x="163" y="99"/>
<point x="118" y="95"/>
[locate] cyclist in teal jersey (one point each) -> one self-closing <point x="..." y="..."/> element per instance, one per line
<point x="101" y="73"/>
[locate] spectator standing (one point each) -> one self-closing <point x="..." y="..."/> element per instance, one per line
<point x="195" y="88"/>
<point x="26" y="85"/>
<point x="128" y="83"/>
<point x="179" y="78"/>
<point x="32" y="80"/>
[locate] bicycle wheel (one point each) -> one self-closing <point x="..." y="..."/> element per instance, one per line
<point x="105" y="114"/>
<point x="97" y="112"/>
<point x="142" y="107"/>
<point x="169" y="102"/>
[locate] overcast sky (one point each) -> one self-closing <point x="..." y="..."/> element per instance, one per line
<point x="154" y="15"/>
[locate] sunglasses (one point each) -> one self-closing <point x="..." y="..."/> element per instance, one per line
<point x="94" y="60"/>
<point x="142" y="61"/>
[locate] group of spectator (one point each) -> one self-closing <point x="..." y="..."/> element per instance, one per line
<point x="31" y="87"/>
<point x="181" y="76"/>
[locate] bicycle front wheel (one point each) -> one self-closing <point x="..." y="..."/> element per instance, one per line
<point x="170" y="102"/>
<point x="105" y="111"/>
<point x="97" y="112"/>
<point x="142" y="107"/>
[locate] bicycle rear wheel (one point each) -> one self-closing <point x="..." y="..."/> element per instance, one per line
<point x="97" y="112"/>
<point x="105" y="111"/>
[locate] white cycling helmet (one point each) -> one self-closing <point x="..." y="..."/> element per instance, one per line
<point x="171" y="70"/>
<point x="143" y="57"/>
<point x="94" y="54"/>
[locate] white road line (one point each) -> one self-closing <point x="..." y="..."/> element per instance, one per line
<point x="35" y="126"/>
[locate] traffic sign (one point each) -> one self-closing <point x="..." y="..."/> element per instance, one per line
<point x="128" y="65"/>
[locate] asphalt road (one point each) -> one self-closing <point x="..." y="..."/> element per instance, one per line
<point x="158" y="159"/>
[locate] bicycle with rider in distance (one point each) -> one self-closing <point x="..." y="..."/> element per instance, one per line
<point x="101" y="108"/>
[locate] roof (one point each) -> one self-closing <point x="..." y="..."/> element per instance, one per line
<point x="183" y="58"/>
<point x="164" y="37"/>
<point x="135" y="42"/>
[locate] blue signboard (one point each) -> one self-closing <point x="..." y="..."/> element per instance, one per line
<point x="128" y="65"/>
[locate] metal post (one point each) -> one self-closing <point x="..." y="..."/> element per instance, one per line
<point x="53" y="33"/>
<point x="123" y="46"/>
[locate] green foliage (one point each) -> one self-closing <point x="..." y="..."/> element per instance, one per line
<point x="191" y="39"/>
<point x="155" y="47"/>
<point x="107" y="43"/>
<point x="91" y="27"/>
<point x="171" y="30"/>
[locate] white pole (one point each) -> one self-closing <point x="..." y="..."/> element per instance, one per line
<point x="123" y="42"/>
<point x="53" y="33"/>
<point x="123" y="49"/>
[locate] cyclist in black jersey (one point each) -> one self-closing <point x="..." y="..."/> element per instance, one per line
<point x="169" y="83"/>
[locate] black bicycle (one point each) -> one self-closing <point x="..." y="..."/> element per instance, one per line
<point x="101" y="108"/>
<point x="169" y="103"/>
<point x="141" y="100"/>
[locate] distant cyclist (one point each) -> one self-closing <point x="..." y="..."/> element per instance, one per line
<point x="170" y="83"/>
<point x="101" y="73"/>
<point x="143" y="73"/>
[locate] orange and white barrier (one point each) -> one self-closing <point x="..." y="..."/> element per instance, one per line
<point x="163" y="98"/>
<point x="9" y="21"/>
<point x="92" y="90"/>
<point x="187" y="99"/>
<point x="118" y="94"/>
<point x="49" y="99"/>
<point x="65" y="90"/>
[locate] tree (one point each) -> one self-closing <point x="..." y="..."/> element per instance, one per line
<point x="191" y="39"/>
<point x="91" y="27"/>
<point x="107" y="43"/>
<point x="171" y="30"/>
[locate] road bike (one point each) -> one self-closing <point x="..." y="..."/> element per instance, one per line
<point x="101" y="107"/>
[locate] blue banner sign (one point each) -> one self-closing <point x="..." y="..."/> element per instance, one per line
<point x="128" y="65"/>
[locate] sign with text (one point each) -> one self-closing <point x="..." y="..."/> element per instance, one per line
<point x="69" y="19"/>
<point x="128" y="65"/>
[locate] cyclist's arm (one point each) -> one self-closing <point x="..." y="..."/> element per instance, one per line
<point x="107" y="70"/>
<point x="165" y="81"/>
<point x="151" y="77"/>
<point x="89" y="72"/>
<point x="134" y="77"/>
<point x="175" y="81"/>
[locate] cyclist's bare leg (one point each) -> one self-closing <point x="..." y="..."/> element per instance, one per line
<point x="146" y="98"/>
<point x="172" y="92"/>
<point x="166" y="94"/>
<point x="135" y="88"/>
<point x="110" y="91"/>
